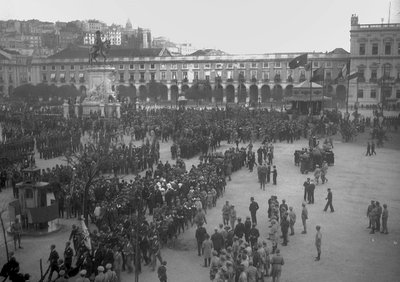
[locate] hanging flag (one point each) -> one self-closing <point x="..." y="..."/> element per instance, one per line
<point x="352" y="75"/>
<point x="343" y="72"/>
<point x="86" y="235"/>
<point x="318" y="75"/>
<point x="299" y="61"/>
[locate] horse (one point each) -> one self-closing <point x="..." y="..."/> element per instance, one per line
<point x="102" y="50"/>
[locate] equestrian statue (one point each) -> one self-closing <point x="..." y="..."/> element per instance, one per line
<point x="99" y="48"/>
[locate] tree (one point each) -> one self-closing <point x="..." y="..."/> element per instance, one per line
<point x="87" y="166"/>
<point x="199" y="91"/>
<point x="154" y="90"/>
<point x="2" y="211"/>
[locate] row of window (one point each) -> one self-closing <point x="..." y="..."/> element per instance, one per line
<point x="372" y="93"/>
<point x="195" y="66"/>
<point x="375" y="49"/>
<point x="374" y="73"/>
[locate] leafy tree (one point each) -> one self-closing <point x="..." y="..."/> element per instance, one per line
<point x="201" y="90"/>
<point x="155" y="90"/>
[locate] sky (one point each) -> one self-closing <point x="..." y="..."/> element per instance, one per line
<point x="233" y="26"/>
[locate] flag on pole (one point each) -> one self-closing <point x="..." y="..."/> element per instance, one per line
<point x="86" y="236"/>
<point x="343" y="72"/>
<point x="318" y="75"/>
<point x="352" y="75"/>
<point x="299" y="61"/>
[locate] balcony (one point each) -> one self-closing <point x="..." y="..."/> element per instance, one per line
<point x="142" y="80"/>
<point x="174" y="81"/>
<point x="72" y="80"/>
<point x="185" y="80"/>
<point x="277" y="79"/>
<point x="54" y="80"/>
<point x="289" y="79"/>
<point x="302" y="78"/>
<point x="229" y="80"/>
<point x="373" y="80"/>
<point x="62" y="80"/>
<point x="131" y="80"/>
<point x="121" y="80"/>
<point x="266" y="80"/>
<point x="81" y="80"/>
<point x="254" y="80"/>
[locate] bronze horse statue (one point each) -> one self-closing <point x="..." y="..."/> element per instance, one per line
<point x="102" y="50"/>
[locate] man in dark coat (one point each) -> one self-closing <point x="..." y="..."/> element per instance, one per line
<point x="239" y="228"/>
<point x="253" y="235"/>
<point x="311" y="188"/>
<point x="262" y="175"/>
<point x="329" y="202"/>
<point x="247" y="227"/>
<point x="285" y="228"/>
<point x="274" y="175"/>
<point x="218" y="241"/>
<point x="200" y="237"/>
<point x="253" y="210"/>
<point x="68" y="254"/>
<point x="53" y="261"/>
<point x="306" y="185"/>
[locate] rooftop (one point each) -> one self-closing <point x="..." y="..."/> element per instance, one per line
<point x="77" y="52"/>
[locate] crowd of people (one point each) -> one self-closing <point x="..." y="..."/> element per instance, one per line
<point x="154" y="208"/>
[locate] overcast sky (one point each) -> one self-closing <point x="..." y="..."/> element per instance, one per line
<point x="234" y="26"/>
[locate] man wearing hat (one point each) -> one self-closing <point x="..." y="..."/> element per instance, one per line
<point x="276" y="264"/>
<point x="329" y="202"/>
<point x="292" y="220"/>
<point x="110" y="275"/>
<point x="100" y="277"/>
<point x="247" y="227"/>
<point x="218" y="241"/>
<point x="83" y="277"/>
<point x="318" y="241"/>
<point x="253" y="210"/>
<point x="225" y="213"/>
<point x="311" y="188"/>
<point x="68" y="254"/>
<point x="201" y="233"/>
<point x="305" y="185"/>
<point x="62" y="276"/>
<point x="53" y="261"/>
<point x="232" y="216"/>
<point x="162" y="272"/>
<point x="304" y="217"/>
<point x="239" y="228"/>
<point x="253" y="235"/>
<point x="317" y="173"/>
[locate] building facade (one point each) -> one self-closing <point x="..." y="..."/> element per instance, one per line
<point x="15" y="70"/>
<point x="375" y="54"/>
<point x="239" y="78"/>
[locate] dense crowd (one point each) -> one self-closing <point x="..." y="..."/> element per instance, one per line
<point x="153" y="209"/>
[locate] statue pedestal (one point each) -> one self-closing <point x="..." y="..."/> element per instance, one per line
<point x="101" y="80"/>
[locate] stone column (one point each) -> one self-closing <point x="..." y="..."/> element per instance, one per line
<point x="102" y="109"/>
<point x="236" y="94"/>
<point x="118" y="109"/>
<point x="77" y="110"/>
<point x="66" y="110"/>
<point x="169" y="93"/>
